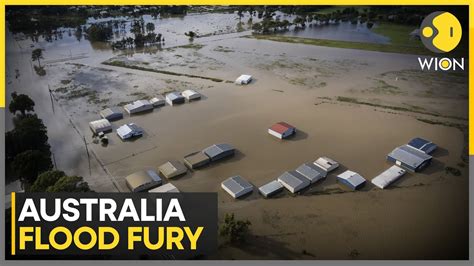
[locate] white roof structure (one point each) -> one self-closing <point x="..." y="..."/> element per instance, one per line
<point x="143" y="180"/>
<point x="243" y="79"/>
<point x="236" y="186"/>
<point x="388" y="176"/>
<point x="311" y="172"/>
<point x="191" y="95"/>
<point x="327" y="164"/>
<point x="270" y="188"/>
<point x="138" y="106"/>
<point x="129" y="130"/>
<point x="293" y="181"/>
<point x="166" y="188"/>
<point x="158" y="101"/>
<point x="219" y="151"/>
<point x="351" y="179"/>
<point x="101" y="125"/>
<point x="172" y="169"/>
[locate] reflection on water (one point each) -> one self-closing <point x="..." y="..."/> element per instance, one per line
<point x="343" y="31"/>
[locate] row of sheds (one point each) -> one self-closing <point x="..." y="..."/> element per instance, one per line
<point x="125" y="131"/>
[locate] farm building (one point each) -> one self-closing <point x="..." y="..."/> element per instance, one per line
<point x="236" y="186"/>
<point x="101" y="125"/>
<point x="351" y="179"/>
<point x="311" y="172"/>
<point x="143" y="180"/>
<point x="327" y="164"/>
<point x="388" y="176"/>
<point x="270" y="188"/>
<point x="166" y="188"/>
<point x="196" y="160"/>
<point x="423" y="145"/>
<point x="191" y="95"/>
<point x="174" y="98"/>
<point x="243" y="79"/>
<point x="128" y="131"/>
<point x="282" y="130"/>
<point x="293" y="181"/>
<point x="219" y="151"/>
<point x="138" y="107"/>
<point x="111" y="114"/>
<point x="409" y="158"/>
<point x="158" y="101"/>
<point x="172" y="169"/>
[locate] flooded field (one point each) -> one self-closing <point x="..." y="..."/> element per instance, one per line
<point x="353" y="106"/>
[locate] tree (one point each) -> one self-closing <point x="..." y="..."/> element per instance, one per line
<point x="69" y="184"/>
<point x="257" y="27"/>
<point x="190" y="34"/>
<point x="45" y="180"/>
<point x="150" y="27"/>
<point x="99" y="32"/>
<point x="234" y="230"/>
<point x="21" y="103"/>
<point x="28" y="164"/>
<point x="36" y="55"/>
<point x="29" y="134"/>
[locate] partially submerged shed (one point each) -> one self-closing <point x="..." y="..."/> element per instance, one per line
<point x="351" y="179"/>
<point x="270" y="188"/>
<point x="101" y="125"/>
<point x="173" y="98"/>
<point x="409" y="158"/>
<point x="138" y="107"/>
<point x="111" y="114"/>
<point x="388" y="176"/>
<point x="236" y="186"/>
<point x="196" y="160"/>
<point x="282" y="130"/>
<point x="219" y="151"/>
<point x="128" y="131"/>
<point x="172" y="169"/>
<point x="243" y="79"/>
<point x="423" y="145"/>
<point x="311" y="172"/>
<point x="158" y="101"/>
<point x="191" y="95"/>
<point x="143" y="180"/>
<point x="166" y="188"/>
<point x="327" y="164"/>
<point x="293" y="181"/>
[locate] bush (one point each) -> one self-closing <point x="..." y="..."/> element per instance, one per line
<point x="234" y="230"/>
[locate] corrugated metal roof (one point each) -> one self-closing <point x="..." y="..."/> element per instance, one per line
<point x="174" y="95"/>
<point x="352" y="177"/>
<point x="294" y="179"/>
<point x="281" y="127"/>
<point x="422" y="144"/>
<point x="388" y="176"/>
<point x="216" y="149"/>
<point x="236" y="184"/>
<point x="311" y="172"/>
<point x="270" y="188"/>
<point x="409" y="156"/>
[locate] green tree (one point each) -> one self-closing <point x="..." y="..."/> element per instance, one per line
<point x="29" y="134"/>
<point x="21" y="103"/>
<point x="99" y="32"/>
<point x="234" y="230"/>
<point x="45" y="180"/>
<point x="69" y="184"/>
<point x="150" y="27"/>
<point x="36" y="55"/>
<point x="29" y="164"/>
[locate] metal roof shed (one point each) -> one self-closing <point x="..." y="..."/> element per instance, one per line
<point x="101" y="125"/>
<point x="196" y="160"/>
<point x="388" y="176"/>
<point x="191" y="95"/>
<point x="172" y="169"/>
<point x="166" y="188"/>
<point x="327" y="164"/>
<point x="423" y="145"/>
<point x="270" y="188"/>
<point x="282" y="130"/>
<point x="236" y="186"/>
<point x="128" y="131"/>
<point x="111" y="114"/>
<point x="173" y="98"/>
<point x="311" y="172"/>
<point x="158" y="101"/>
<point x="219" y="151"/>
<point x="293" y="181"/>
<point x="243" y="79"/>
<point x="143" y="180"/>
<point x="409" y="158"/>
<point x="351" y="179"/>
<point x="138" y="107"/>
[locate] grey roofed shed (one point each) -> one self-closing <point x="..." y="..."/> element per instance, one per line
<point x="270" y="188"/>
<point x="219" y="151"/>
<point x="143" y="180"/>
<point x="111" y="114"/>
<point x="101" y="125"/>
<point x="196" y="160"/>
<point x="236" y="186"/>
<point x="410" y="158"/>
<point x="172" y="169"/>
<point x="311" y="172"/>
<point x="166" y="188"/>
<point x="158" y="101"/>
<point x="293" y="181"/>
<point x="174" y="98"/>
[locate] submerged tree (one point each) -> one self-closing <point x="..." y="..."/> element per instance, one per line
<point x="37" y="55"/>
<point x="234" y="230"/>
<point x="21" y="103"/>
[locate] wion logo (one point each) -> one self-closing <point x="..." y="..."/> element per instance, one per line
<point x="441" y="32"/>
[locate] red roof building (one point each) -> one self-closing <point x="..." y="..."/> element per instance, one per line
<point x="282" y="130"/>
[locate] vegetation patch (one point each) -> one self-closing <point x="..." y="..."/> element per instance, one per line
<point x="452" y="170"/>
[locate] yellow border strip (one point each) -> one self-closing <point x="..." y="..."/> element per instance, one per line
<point x="13" y="232"/>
